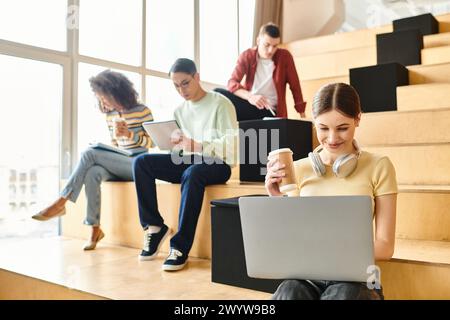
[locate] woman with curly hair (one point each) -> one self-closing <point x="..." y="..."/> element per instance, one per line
<point x="118" y="100"/>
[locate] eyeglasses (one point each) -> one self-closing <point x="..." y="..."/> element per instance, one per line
<point x="183" y="85"/>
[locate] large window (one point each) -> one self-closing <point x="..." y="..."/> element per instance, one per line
<point x="170" y="32"/>
<point x="226" y="29"/>
<point x="218" y="34"/>
<point x="111" y="30"/>
<point x="162" y="98"/>
<point x="246" y="24"/>
<point x="38" y="23"/>
<point x="31" y="100"/>
<point x="53" y="47"/>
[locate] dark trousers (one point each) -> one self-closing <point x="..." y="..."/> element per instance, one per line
<point x="244" y="109"/>
<point x="326" y="290"/>
<point x="193" y="172"/>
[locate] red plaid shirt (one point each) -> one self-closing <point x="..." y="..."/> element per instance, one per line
<point x="283" y="74"/>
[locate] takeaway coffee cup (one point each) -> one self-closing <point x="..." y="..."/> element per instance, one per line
<point x="284" y="156"/>
<point x="118" y="122"/>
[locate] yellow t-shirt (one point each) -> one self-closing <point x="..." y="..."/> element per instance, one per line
<point x="374" y="176"/>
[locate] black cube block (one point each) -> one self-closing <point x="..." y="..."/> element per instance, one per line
<point x="377" y="85"/>
<point x="404" y="47"/>
<point x="228" y="257"/>
<point x="258" y="137"/>
<point x="426" y="23"/>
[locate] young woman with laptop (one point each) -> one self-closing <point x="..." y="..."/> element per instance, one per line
<point x="339" y="167"/>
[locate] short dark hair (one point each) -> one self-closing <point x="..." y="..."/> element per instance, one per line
<point x="339" y="96"/>
<point x="183" y="65"/>
<point x="271" y="29"/>
<point x="115" y="85"/>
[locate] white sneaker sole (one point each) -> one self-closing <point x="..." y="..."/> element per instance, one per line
<point x="173" y="268"/>
<point x="153" y="256"/>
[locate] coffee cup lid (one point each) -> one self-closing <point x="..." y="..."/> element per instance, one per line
<point x="274" y="152"/>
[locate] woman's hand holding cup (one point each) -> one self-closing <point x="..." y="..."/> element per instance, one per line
<point x="121" y="128"/>
<point x="280" y="178"/>
<point x="274" y="176"/>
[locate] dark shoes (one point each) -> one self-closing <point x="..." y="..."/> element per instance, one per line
<point x="152" y="242"/>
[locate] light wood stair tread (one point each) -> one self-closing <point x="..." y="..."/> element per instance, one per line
<point x="435" y="252"/>
<point x="436" y="40"/>
<point x="418" y="74"/>
<point x="361" y="38"/>
<point x="260" y="186"/>
<point x="405" y="188"/>
<point x="114" y="272"/>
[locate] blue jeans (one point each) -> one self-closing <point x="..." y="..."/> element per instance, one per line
<point x="194" y="173"/>
<point x="94" y="167"/>
<point x="325" y="290"/>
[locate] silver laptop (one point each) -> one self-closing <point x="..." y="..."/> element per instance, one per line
<point x="310" y="238"/>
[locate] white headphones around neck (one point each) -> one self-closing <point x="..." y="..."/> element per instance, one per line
<point x="343" y="166"/>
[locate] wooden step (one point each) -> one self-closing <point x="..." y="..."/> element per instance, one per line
<point x="423" y="213"/>
<point x="444" y="23"/>
<point x="418" y="270"/>
<point x="110" y="272"/>
<point x="120" y="220"/>
<point x="422" y="251"/>
<point x="418" y="164"/>
<point x="422" y="74"/>
<point x="436" y="55"/>
<point x="338" y="63"/>
<point x="404" y="127"/>
<point x="336" y="42"/>
<point x="121" y="224"/>
<point x="16" y="286"/>
<point x="429" y="73"/>
<point x="358" y="39"/>
<point x="436" y="40"/>
<point x="334" y="64"/>
<point x="424" y="96"/>
<point x="419" y="74"/>
<point x="303" y="48"/>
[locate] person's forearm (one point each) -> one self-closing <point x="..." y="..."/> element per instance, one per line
<point x="383" y="250"/>
<point x="242" y="93"/>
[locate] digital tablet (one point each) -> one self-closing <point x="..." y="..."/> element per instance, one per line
<point x="161" y="131"/>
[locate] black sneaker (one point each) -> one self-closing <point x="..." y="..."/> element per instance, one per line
<point x="175" y="261"/>
<point x="152" y="242"/>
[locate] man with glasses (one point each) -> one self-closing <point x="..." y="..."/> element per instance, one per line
<point x="267" y="70"/>
<point x="208" y="141"/>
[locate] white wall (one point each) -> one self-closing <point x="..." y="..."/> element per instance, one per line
<point x="307" y="18"/>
